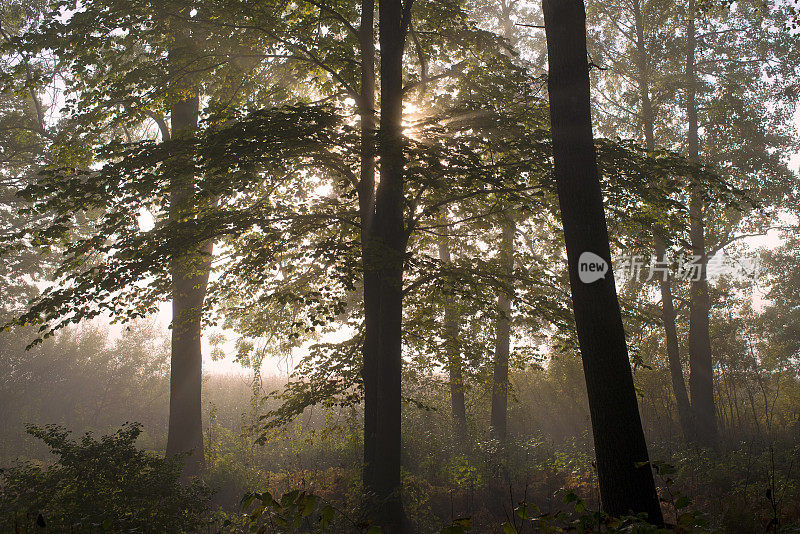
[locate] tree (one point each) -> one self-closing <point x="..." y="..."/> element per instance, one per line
<point x="190" y="270"/>
<point x="738" y="58"/>
<point x="452" y="349"/>
<point x="167" y="55"/>
<point x="386" y="254"/>
<point x="626" y="481"/>
<point x="28" y="140"/>
<point x="668" y="315"/>
<point x="500" y="383"/>
<point x="701" y="378"/>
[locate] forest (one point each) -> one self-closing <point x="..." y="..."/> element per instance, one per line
<point x="405" y="266"/>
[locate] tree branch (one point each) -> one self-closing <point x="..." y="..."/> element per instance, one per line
<point x="449" y="72"/>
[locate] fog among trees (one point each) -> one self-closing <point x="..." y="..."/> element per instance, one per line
<point x="405" y="266"/>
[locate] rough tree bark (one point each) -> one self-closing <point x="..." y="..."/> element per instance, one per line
<point x="625" y="477"/>
<point x="701" y="371"/>
<point x="500" y="384"/>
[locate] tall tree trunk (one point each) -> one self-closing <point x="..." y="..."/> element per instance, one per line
<point x="190" y="271"/>
<point x="366" y="200"/>
<point x="386" y="248"/>
<point x="701" y="371"/>
<point x="753" y="408"/>
<point x="500" y="383"/>
<point x="648" y="117"/>
<point x="626" y="480"/>
<point x="498" y="419"/>
<point x="731" y="380"/>
<point x="453" y="354"/>
<point x="668" y="315"/>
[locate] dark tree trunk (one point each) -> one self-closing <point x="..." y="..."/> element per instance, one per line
<point x="453" y="355"/>
<point x="366" y="200"/>
<point x="500" y="383"/>
<point x="626" y="480"/>
<point x="668" y="315"/>
<point x="701" y="372"/>
<point x="386" y="248"/>
<point x="190" y="271"/>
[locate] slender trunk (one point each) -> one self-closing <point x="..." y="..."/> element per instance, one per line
<point x="190" y="271"/>
<point x="753" y="408"/>
<point x="366" y="200"/>
<point x="453" y="354"/>
<point x="701" y="373"/>
<point x="498" y="420"/>
<point x="730" y="382"/>
<point x="731" y="404"/>
<point x="736" y="402"/>
<point x="648" y="116"/>
<point x="500" y="383"/>
<point x="386" y="248"/>
<point x="727" y="397"/>
<point x="722" y="422"/>
<point x="761" y="386"/>
<point x="625" y="477"/>
<point x="668" y="315"/>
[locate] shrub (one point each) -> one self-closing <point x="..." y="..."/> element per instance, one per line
<point x="100" y="485"/>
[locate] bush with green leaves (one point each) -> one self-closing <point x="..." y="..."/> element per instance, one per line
<point x="105" y="485"/>
<point x="299" y="511"/>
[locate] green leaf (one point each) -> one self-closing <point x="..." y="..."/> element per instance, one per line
<point x="309" y="503"/>
<point x="459" y="526"/>
<point x="258" y="512"/>
<point x="685" y="519"/>
<point x="247" y="500"/>
<point x="268" y="500"/>
<point x="682" y="502"/>
<point x="289" y="498"/>
<point x="326" y="515"/>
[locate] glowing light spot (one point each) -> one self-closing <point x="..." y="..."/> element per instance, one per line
<point x="145" y="220"/>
